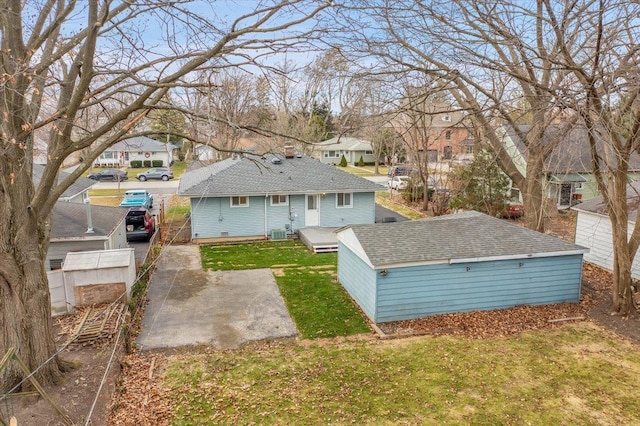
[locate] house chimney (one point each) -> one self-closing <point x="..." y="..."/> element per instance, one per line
<point x="87" y="203"/>
<point x="289" y="151"/>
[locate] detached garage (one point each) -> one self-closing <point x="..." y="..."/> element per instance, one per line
<point x="593" y="229"/>
<point x="463" y="262"/>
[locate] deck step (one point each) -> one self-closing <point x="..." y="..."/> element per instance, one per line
<point x="325" y="248"/>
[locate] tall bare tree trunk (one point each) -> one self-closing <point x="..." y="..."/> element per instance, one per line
<point x="532" y="193"/>
<point x="622" y="296"/>
<point x="25" y="306"/>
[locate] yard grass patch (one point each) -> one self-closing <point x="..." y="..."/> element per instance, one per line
<point x="384" y="199"/>
<point x="562" y="376"/>
<point x="318" y="304"/>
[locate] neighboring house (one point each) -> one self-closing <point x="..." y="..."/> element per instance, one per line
<point x="456" y="263"/>
<point x="76" y="193"/>
<point x="568" y="170"/>
<point x="83" y="227"/>
<point x="332" y="150"/>
<point x="593" y="229"/>
<point x="72" y="217"/>
<point x="251" y="196"/>
<point x="439" y="133"/>
<point x="207" y="153"/>
<point x="140" y="148"/>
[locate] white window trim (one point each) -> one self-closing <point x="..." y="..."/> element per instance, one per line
<point x="346" y="206"/>
<point x="239" y="205"/>
<point x="279" y="204"/>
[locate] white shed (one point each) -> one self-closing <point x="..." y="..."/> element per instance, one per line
<point x="101" y="276"/>
<point x="593" y="229"/>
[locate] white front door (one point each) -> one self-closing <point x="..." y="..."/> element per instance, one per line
<point x="312" y="211"/>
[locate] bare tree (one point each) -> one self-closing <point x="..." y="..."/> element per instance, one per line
<point x="61" y="59"/>
<point x="482" y="53"/>
<point x="607" y="97"/>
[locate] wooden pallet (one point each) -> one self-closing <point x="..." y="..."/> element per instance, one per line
<point x="99" y="324"/>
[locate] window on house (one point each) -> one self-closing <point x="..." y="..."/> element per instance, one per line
<point x="447" y="152"/>
<point x="332" y="154"/>
<point x="469" y="149"/>
<point x="368" y="152"/>
<point x="343" y="199"/>
<point x="55" y="264"/>
<point x="107" y="155"/>
<point x="239" y="201"/>
<point x="447" y="135"/>
<point x="279" y="200"/>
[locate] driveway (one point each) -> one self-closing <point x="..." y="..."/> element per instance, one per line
<point x="383" y="214"/>
<point x="223" y="309"/>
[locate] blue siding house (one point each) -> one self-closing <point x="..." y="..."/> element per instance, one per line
<point x="253" y="196"/>
<point x="456" y="263"/>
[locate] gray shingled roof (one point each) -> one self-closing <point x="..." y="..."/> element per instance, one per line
<point x="344" y="144"/>
<point x="597" y="205"/>
<point x="572" y="153"/>
<point x="467" y="235"/>
<point x="141" y="143"/>
<point x="81" y="184"/>
<point x="253" y="175"/>
<point x="69" y="221"/>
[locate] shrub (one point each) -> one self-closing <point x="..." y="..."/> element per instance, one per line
<point x="361" y="162"/>
<point x="343" y="162"/>
<point x="156" y="163"/>
<point x="146" y="163"/>
<point x="136" y="164"/>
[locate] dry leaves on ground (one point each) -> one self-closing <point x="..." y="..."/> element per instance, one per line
<point x="140" y="397"/>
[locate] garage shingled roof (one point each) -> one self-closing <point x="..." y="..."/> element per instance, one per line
<point x="467" y="235"/>
<point x="255" y="175"/>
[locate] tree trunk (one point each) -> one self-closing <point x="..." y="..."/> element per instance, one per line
<point x="622" y="295"/>
<point x="532" y="192"/>
<point x="25" y="306"/>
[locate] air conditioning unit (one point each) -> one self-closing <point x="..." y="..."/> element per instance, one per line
<point x="278" y="234"/>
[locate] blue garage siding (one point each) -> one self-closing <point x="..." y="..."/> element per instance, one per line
<point x="358" y="279"/>
<point x="211" y="217"/>
<point x="420" y="291"/>
<point x="362" y="211"/>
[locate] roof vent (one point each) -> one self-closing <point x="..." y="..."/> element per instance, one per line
<point x="289" y="151"/>
<point x="276" y="160"/>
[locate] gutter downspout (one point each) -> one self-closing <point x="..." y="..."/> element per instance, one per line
<point x="266" y="197"/>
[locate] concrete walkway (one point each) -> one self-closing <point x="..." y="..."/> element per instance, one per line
<point x="224" y="309"/>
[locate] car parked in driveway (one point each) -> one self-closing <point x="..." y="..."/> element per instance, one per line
<point x="513" y="210"/>
<point x="162" y="173"/>
<point x="398" y="182"/>
<point x="140" y="224"/>
<point x="109" y="174"/>
<point x="137" y="198"/>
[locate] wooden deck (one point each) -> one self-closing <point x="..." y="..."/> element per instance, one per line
<point x="319" y="240"/>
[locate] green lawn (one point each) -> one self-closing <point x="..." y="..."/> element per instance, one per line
<point x="577" y="374"/>
<point x="178" y="168"/>
<point x="317" y="303"/>
<point x="383" y="198"/>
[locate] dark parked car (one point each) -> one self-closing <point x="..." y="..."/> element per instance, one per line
<point x="140" y="224"/>
<point x="155" y="173"/>
<point x="109" y="174"/>
<point x="401" y="170"/>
